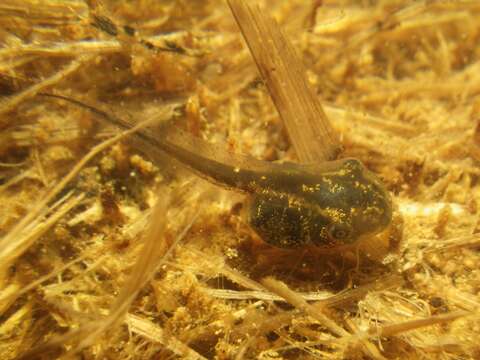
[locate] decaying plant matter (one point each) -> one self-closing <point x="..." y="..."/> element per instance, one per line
<point x="90" y="264"/>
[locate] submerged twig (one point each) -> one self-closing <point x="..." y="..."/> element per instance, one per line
<point x="389" y="330"/>
<point x="308" y="127"/>
<point x="297" y="301"/>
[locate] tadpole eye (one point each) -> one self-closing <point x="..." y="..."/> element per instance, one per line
<point x="339" y="231"/>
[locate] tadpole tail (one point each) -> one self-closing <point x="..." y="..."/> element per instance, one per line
<point x="220" y="173"/>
